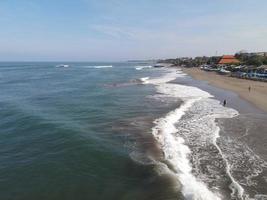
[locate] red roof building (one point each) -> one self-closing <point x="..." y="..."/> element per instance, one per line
<point x="228" y="59"/>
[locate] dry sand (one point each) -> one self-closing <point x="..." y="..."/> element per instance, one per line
<point x="257" y="95"/>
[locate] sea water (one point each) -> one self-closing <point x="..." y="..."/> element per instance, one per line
<point x="120" y="131"/>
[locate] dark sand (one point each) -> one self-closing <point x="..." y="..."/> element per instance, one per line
<point x="243" y="138"/>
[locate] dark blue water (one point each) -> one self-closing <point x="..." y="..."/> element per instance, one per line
<point x="65" y="132"/>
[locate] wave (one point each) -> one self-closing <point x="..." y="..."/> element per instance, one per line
<point x="104" y="66"/>
<point x="167" y="77"/>
<point x="98" y="67"/>
<point x="63" y="65"/>
<point x="175" y="135"/>
<point x="176" y="152"/>
<point x="143" y="67"/>
<point x="144" y="80"/>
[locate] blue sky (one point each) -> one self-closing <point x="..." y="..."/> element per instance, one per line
<point x="114" y="30"/>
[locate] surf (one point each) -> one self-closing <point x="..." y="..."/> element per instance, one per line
<point x="98" y="66"/>
<point x="173" y="145"/>
<point x="143" y="67"/>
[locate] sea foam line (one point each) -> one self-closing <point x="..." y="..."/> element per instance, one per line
<point x="98" y="67"/>
<point x="176" y="152"/>
<point x="144" y="80"/>
<point x="142" y="67"/>
<point x="235" y="186"/>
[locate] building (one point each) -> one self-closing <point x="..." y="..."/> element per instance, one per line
<point x="260" y="54"/>
<point x="228" y="59"/>
<point x="245" y="54"/>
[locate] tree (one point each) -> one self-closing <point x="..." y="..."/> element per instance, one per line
<point x="264" y="61"/>
<point x="255" y="60"/>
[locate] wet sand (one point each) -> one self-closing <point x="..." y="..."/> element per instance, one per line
<point x="242" y="139"/>
<point x="257" y="95"/>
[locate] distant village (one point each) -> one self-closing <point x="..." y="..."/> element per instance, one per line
<point x="241" y="65"/>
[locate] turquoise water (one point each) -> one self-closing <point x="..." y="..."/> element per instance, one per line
<point x="60" y="131"/>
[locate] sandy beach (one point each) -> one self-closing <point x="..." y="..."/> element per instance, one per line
<point x="257" y="95"/>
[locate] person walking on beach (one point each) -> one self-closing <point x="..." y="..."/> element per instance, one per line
<point x="249" y="88"/>
<point x="224" y="102"/>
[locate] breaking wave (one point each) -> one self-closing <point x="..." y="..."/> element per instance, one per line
<point x="192" y="127"/>
<point x="98" y="67"/>
<point x="144" y="80"/>
<point x="142" y="67"/>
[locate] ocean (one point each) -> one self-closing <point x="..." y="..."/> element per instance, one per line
<point x="125" y="131"/>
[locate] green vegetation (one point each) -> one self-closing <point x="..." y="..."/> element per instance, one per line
<point x="193" y="62"/>
<point x="248" y="59"/>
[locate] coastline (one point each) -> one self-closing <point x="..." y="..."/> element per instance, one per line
<point x="245" y="131"/>
<point x="257" y="96"/>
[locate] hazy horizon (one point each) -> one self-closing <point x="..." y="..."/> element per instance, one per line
<point x="116" y="30"/>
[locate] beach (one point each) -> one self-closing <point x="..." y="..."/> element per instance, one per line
<point x="242" y="138"/>
<point x="257" y="95"/>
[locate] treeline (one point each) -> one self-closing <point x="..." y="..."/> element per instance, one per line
<point x="244" y="58"/>
<point x="193" y="62"/>
<point x="251" y="59"/>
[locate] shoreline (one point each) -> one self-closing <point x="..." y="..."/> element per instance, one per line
<point x="246" y="131"/>
<point x="256" y="96"/>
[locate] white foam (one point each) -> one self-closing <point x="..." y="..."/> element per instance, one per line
<point x="176" y="152"/>
<point x="144" y="80"/>
<point x="142" y="67"/>
<point x="62" y="65"/>
<point x="182" y="91"/>
<point x="236" y="188"/>
<point x="98" y="67"/>
<point x="104" y="66"/>
<point x="173" y="145"/>
<point x="169" y="76"/>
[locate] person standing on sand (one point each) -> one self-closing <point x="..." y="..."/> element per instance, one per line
<point x="224" y="102"/>
<point x="249" y="88"/>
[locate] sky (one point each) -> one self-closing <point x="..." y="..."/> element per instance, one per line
<point x="117" y="30"/>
